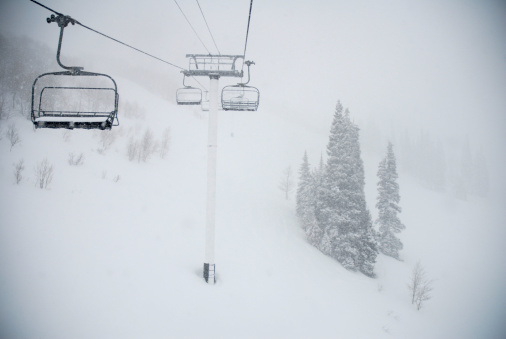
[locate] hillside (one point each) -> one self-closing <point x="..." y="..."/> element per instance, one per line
<point x="114" y="248"/>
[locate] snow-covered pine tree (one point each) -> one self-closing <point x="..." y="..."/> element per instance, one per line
<point x="314" y="233"/>
<point x="364" y="232"/>
<point x="368" y="248"/>
<point x="341" y="209"/>
<point x="388" y="206"/>
<point x="329" y="201"/>
<point x="305" y="202"/>
<point x="303" y="199"/>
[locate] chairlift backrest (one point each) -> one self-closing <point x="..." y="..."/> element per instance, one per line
<point x="189" y="96"/>
<point x="67" y="100"/>
<point x="240" y="98"/>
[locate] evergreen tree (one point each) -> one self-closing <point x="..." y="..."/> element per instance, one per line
<point x="303" y="198"/>
<point x="314" y="233"/>
<point x="305" y="202"/>
<point x="388" y="206"/>
<point x="330" y="200"/>
<point x="368" y="250"/>
<point x="363" y="231"/>
<point x="340" y="208"/>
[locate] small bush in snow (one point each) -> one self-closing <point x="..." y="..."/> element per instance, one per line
<point x="141" y="150"/>
<point x="76" y="160"/>
<point x="419" y="286"/>
<point x="66" y="134"/>
<point x="286" y="183"/>
<point x="13" y="135"/>
<point x="3" y="111"/>
<point x="148" y="145"/>
<point x="165" y="143"/>
<point x="132" y="149"/>
<point x="18" y="170"/>
<point x="43" y="174"/>
<point x="106" y="139"/>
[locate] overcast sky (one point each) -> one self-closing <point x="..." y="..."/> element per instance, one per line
<point x="435" y="64"/>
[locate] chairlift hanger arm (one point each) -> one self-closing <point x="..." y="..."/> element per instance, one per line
<point x="247" y="63"/>
<point x="63" y="21"/>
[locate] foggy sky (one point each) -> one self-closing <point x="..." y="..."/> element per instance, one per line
<point x="437" y="65"/>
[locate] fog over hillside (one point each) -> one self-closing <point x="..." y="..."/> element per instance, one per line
<point x="428" y="76"/>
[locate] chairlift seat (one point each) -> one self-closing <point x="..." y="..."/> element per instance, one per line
<point x="240" y="98"/>
<point x="189" y="96"/>
<point x="85" y="106"/>
<point x="92" y="122"/>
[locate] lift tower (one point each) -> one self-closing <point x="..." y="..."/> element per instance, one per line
<point x="214" y="67"/>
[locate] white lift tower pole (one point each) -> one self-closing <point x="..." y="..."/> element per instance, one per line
<point x="212" y="144"/>
<point x="214" y="67"/>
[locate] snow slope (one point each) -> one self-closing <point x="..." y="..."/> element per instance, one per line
<point x="114" y="249"/>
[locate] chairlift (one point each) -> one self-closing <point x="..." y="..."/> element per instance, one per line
<point x="188" y="95"/>
<point x="240" y="97"/>
<point x="85" y="100"/>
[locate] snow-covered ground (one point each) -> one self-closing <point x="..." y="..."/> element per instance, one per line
<point x="114" y="248"/>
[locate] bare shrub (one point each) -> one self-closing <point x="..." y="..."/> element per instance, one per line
<point x="43" y="174"/>
<point x="132" y="149"/>
<point x="148" y="145"/>
<point x="106" y="139"/>
<point x="18" y="170"/>
<point x="76" y="160"/>
<point x="286" y="183"/>
<point x="116" y="178"/>
<point x="165" y="143"/>
<point x="13" y="135"/>
<point x="66" y="134"/>
<point x="419" y="286"/>
<point x="3" y="111"/>
<point x="141" y="150"/>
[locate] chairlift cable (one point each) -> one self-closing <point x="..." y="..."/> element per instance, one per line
<point x="49" y="9"/>
<point x="118" y="41"/>
<point x="208" y="28"/>
<point x="138" y="50"/>
<point x="247" y="31"/>
<point x="195" y="78"/>
<point x="194" y="31"/>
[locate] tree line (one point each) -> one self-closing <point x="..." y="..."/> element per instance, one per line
<point x="331" y="204"/>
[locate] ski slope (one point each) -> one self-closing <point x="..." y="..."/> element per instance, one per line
<point x="114" y="248"/>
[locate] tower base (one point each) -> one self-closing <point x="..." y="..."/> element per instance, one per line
<point x="209" y="273"/>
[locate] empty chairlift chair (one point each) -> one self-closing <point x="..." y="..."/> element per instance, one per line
<point x="188" y="95"/>
<point x="240" y="97"/>
<point x="73" y="98"/>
